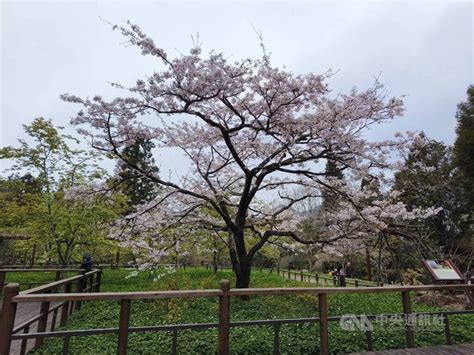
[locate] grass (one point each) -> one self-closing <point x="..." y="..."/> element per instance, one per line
<point x="295" y="339"/>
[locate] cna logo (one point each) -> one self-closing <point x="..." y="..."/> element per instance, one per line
<point x="351" y="322"/>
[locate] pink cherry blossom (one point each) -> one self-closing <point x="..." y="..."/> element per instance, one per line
<point x="251" y="132"/>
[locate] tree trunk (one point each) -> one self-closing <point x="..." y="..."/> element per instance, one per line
<point x="369" y="264"/>
<point x="241" y="261"/>
<point x="243" y="275"/>
<point x="33" y="255"/>
<point x="215" y="262"/>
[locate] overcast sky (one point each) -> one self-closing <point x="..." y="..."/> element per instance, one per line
<point x="420" y="49"/>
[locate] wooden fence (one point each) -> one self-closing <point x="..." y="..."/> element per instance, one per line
<point x="297" y="275"/>
<point x="44" y="296"/>
<point x="305" y="276"/>
<point x="85" y="282"/>
<point x="59" y="274"/>
<point x="325" y="279"/>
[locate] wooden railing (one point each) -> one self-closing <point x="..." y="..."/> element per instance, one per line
<point x="8" y="332"/>
<point x="306" y="276"/>
<point x="298" y="275"/>
<point x="58" y="272"/>
<point x="84" y="282"/>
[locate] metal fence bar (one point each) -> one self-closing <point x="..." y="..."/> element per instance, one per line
<point x="174" y="342"/>
<point x="66" y="345"/>
<point x="368" y="335"/>
<point x="276" y="338"/>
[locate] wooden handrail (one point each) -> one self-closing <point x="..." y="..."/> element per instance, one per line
<point x="55" y="284"/>
<point x="41" y="270"/>
<point x="103" y="296"/>
<point x="25" y="296"/>
<point x="223" y="293"/>
<point x="331" y="290"/>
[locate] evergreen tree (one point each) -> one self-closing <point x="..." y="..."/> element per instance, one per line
<point x="430" y="179"/>
<point x="464" y="163"/>
<point x="138" y="188"/>
<point x="464" y="144"/>
<point x="330" y="198"/>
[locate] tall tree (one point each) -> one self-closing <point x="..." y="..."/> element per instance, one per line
<point x="47" y="212"/>
<point x="138" y="187"/>
<point x="250" y="131"/>
<point x="464" y="162"/>
<point x="464" y="144"/>
<point x="329" y="196"/>
<point x="429" y="177"/>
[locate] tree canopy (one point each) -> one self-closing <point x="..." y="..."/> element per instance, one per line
<point x="250" y="131"/>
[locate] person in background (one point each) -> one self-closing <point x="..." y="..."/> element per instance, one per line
<point x="335" y="277"/>
<point x="86" y="262"/>
<point x="342" y="277"/>
<point x="348" y="269"/>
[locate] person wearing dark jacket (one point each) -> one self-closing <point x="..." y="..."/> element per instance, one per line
<point x="86" y="262"/>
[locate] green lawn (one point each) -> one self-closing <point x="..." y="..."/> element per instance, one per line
<point x="295" y="339"/>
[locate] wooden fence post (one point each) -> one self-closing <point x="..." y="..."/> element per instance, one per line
<point x="370" y="345"/>
<point x="301" y="273"/>
<point x="66" y="305"/>
<point x="33" y="255"/>
<point x="123" y="326"/>
<point x="447" y="330"/>
<point x="80" y="288"/>
<point x="91" y="283"/>
<point x="42" y="322"/>
<point x="7" y="318"/>
<point x="323" y="324"/>
<point x="117" y="260"/>
<point x="224" y="318"/>
<point x="356" y="283"/>
<point x="410" y="338"/>
<point x="2" y="280"/>
<point x="98" y="281"/>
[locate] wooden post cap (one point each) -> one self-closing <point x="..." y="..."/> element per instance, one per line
<point x="224" y="285"/>
<point x="12" y="288"/>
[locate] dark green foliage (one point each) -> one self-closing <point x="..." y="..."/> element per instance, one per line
<point x="137" y="187"/>
<point x="295" y="339"/>
<point x="464" y="145"/>
<point x="440" y="185"/>
<point x="37" y="204"/>
<point x="330" y="199"/>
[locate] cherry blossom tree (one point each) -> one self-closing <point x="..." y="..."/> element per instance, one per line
<point x="252" y="132"/>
